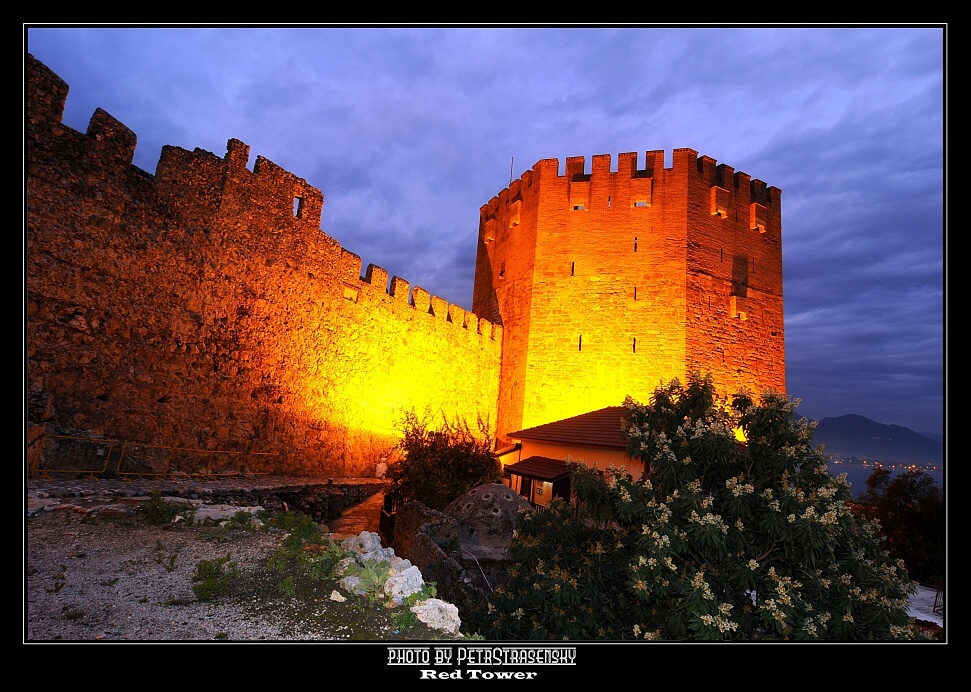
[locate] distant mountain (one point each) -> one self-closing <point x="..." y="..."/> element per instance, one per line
<point x="857" y="437"/>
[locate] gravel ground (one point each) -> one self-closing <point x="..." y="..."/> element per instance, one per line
<point x="109" y="575"/>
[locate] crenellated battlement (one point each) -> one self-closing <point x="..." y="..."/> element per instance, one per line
<point x="376" y="281"/>
<point x="199" y="185"/>
<point x="633" y="183"/>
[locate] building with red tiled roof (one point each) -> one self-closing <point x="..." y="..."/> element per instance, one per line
<point x="535" y="464"/>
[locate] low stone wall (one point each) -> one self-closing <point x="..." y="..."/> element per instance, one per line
<point x="323" y="499"/>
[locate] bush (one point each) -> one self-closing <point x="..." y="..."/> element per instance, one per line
<point x="719" y="540"/>
<point x="438" y="466"/>
<point x="910" y="510"/>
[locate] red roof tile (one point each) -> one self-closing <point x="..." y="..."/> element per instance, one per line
<point x="542" y="468"/>
<point x="603" y="428"/>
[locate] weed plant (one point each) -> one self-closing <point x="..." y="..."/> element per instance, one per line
<point x="214" y="578"/>
<point x="158" y="511"/>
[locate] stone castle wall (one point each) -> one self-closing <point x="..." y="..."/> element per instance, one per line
<point x="204" y="307"/>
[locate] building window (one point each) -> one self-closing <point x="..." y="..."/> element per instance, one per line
<point x="634" y="346"/>
<point x="573" y="268"/>
<point x="580" y="343"/>
<point x="635" y="243"/>
<point x="297" y="205"/>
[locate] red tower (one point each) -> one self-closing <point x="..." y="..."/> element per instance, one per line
<point x="609" y="283"/>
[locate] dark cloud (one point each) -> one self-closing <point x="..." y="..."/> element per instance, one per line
<point x="408" y="131"/>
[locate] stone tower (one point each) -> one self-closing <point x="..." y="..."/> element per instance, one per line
<point x="609" y="283"/>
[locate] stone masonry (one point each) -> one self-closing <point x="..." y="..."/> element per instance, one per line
<point x="203" y="308"/>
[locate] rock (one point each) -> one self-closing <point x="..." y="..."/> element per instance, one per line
<point x="438" y="615"/>
<point x="400" y="586"/>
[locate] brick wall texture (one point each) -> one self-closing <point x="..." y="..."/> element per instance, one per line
<point x="202" y="306"/>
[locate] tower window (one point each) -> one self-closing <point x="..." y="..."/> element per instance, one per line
<point x="580" y="343"/>
<point x="634" y="345"/>
<point x="635" y="243"/>
<point x="573" y="268"/>
<point x="635" y="292"/>
<point x="502" y="270"/>
<point x="297" y="204"/>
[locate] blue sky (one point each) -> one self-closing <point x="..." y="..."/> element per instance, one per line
<point x="409" y="130"/>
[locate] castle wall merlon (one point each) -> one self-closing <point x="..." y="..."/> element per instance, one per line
<point x="399" y="288"/>
<point x="546" y="167"/>
<point x="47" y="94"/>
<point x="653" y="162"/>
<point x="725" y="176"/>
<point x="350" y="268"/>
<point x="421" y="299"/>
<point x="764" y="194"/>
<point x="742" y="181"/>
<point x="237" y="155"/>
<point x="456" y="315"/>
<point x="574" y="168"/>
<point x="488" y="211"/>
<point x="707" y="167"/>
<point x="481" y="325"/>
<point x="627" y="164"/>
<point x="439" y="307"/>
<point x="527" y="180"/>
<point x="516" y="188"/>
<point x="377" y="278"/>
<point x="684" y="160"/>
<point x="113" y="143"/>
<point x="600" y="166"/>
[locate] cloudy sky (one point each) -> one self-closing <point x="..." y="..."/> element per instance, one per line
<point x="409" y="130"/>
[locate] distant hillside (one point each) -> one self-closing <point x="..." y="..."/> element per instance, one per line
<point x="853" y="436"/>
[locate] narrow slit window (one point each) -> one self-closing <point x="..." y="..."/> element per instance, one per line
<point x="635" y="243"/>
<point x="635" y="292"/>
<point x="573" y="268"/>
<point x="297" y="204"/>
<point x="633" y="346"/>
<point x="580" y="343"/>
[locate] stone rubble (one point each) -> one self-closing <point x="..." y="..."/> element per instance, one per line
<point x="404" y="580"/>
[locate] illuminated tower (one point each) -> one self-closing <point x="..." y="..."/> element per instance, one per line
<point x="609" y="283"/>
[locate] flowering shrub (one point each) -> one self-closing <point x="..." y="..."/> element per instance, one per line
<point x="720" y="539"/>
<point x="439" y="465"/>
